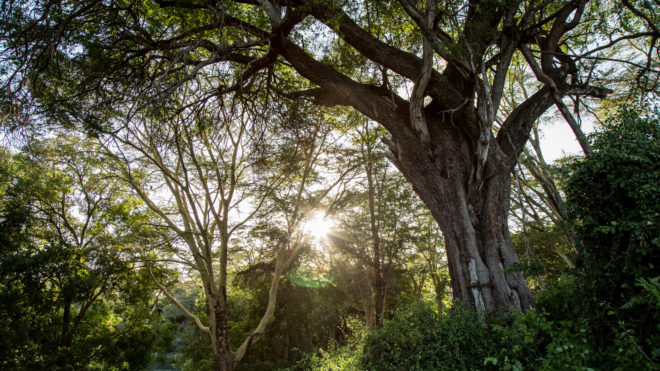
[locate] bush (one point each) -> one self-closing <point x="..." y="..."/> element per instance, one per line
<point x="419" y="339"/>
<point x="342" y="358"/>
<point x="614" y="198"/>
<point x="335" y="358"/>
<point x="571" y="333"/>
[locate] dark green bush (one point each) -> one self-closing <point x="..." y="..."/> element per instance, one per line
<point x="614" y="198"/>
<point x="570" y="333"/>
<point x="420" y="339"/>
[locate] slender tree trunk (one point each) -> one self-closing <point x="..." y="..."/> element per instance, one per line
<point x="379" y="280"/>
<point x="65" y="339"/>
<point x="472" y="214"/>
<point x="285" y="355"/>
<point x="379" y="300"/>
<point x="218" y="326"/>
<point x="419" y="287"/>
<point x="369" y="317"/>
<point x="440" y="305"/>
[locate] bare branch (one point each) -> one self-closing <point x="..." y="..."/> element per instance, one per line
<point x="185" y="310"/>
<point x="579" y="134"/>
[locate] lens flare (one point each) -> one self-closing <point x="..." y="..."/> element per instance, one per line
<point x="318" y="227"/>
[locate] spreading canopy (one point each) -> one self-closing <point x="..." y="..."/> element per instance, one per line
<point x="432" y="74"/>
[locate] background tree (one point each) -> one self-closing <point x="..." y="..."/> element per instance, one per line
<point x="198" y="162"/>
<point x="381" y="225"/>
<point x="285" y="227"/>
<point x="208" y="168"/>
<point x="432" y="262"/>
<point x="74" y="292"/>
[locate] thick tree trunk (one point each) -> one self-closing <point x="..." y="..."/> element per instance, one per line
<point x="459" y="169"/>
<point x="218" y="326"/>
<point x="472" y="212"/>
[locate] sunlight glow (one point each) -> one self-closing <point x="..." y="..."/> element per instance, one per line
<point x="318" y="227"/>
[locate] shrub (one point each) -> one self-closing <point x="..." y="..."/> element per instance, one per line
<point x="614" y="198"/>
<point x="420" y="339"/>
<point x="335" y="358"/>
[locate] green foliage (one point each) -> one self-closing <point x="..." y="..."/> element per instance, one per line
<point x="420" y="339"/>
<point x="560" y="344"/>
<point x="614" y="198"/>
<point x="576" y="334"/>
<point x="306" y="318"/>
<point x="181" y="345"/>
<point x="344" y="358"/>
<point x="550" y="246"/>
<point x="70" y="297"/>
<point x="337" y="358"/>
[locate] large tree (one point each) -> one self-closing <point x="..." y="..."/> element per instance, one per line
<point x="80" y="58"/>
<point x="210" y="170"/>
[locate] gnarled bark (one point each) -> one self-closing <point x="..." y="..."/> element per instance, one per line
<point x="473" y="218"/>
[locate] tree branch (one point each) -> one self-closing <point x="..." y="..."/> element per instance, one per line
<point x="185" y="310"/>
<point x="579" y="134"/>
<point x="405" y="64"/>
<point x="514" y="132"/>
<point x="374" y="102"/>
<point x="417" y="97"/>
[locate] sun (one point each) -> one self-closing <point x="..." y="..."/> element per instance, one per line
<point x="317" y="226"/>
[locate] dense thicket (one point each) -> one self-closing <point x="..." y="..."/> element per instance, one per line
<point x="614" y="198"/>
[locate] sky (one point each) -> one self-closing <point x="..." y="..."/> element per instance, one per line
<point x="558" y="140"/>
